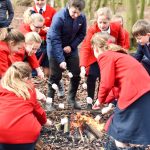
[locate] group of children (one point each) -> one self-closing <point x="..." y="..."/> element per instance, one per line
<point x="50" y="39"/>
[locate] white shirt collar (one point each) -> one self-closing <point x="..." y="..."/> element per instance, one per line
<point x="38" y="9"/>
<point x="108" y="30"/>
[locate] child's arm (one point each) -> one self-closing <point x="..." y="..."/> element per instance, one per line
<point x="38" y="111"/>
<point x="139" y="53"/>
<point x="10" y="12"/>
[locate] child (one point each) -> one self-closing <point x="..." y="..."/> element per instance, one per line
<point x="11" y="41"/>
<point x="65" y="34"/>
<point x="87" y="58"/>
<point x="130" y="123"/>
<point x="118" y="18"/>
<point x="47" y="12"/>
<point x="21" y="115"/>
<point x="31" y="22"/>
<point x="32" y="44"/>
<point x="6" y="8"/>
<point x="141" y="31"/>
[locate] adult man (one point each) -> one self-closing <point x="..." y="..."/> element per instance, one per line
<point x="67" y="30"/>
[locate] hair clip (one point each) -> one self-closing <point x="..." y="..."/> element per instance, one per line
<point x="9" y="29"/>
<point x="32" y="12"/>
<point x="15" y="67"/>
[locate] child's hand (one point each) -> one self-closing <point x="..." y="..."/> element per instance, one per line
<point x="97" y="105"/>
<point x="40" y="96"/>
<point x="40" y="73"/>
<point x="67" y="49"/>
<point x="45" y="29"/>
<point x="63" y="65"/>
<point x="82" y="72"/>
<point x="48" y="123"/>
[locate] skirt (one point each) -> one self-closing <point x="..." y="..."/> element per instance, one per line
<point x="132" y="125"/>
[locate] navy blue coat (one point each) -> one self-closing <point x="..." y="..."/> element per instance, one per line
<point x="143" y="53"/>
<point x="6" y="7"/>
<point x="65" y="31"/>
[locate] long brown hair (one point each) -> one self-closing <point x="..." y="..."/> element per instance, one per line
<point x="14" y="79"/>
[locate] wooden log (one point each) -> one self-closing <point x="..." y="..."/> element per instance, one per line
<point x="98" y="133"/>
<point x="91" y="137"/>
<point x="67" y="126"/>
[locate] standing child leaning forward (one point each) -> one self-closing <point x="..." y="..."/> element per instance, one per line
<point x="130" y="123"/>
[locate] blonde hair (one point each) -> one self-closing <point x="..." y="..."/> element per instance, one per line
<point x="141" y="27"/>
<point x="104" y="11"/>
<point x="10" y="34"/>
<point x="116" y="17"/>
<point x="33" y="37"/>
<point x="31" y="16"/>
<point x="99" y="41"/>
<point x="14" y="79"/>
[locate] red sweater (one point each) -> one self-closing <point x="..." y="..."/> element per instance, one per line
<point x="125" y="73"/>
<point x="48" y="15"/>
<point x="7" y="58"/>
<point x="126" y="40"/>
<point x="86" y="52"/>
<point x="21" y="119"/>
<point x="25" y="28"/>
<point x="20" y="55"/>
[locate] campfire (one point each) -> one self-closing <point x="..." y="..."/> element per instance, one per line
<point x="74" y="130"/>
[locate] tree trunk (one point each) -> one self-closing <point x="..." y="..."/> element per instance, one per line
<point x="148" y="2"/>
<point x="88" y="9"/>
<point x="131" y="17"/>
<point x="63" y="3"/>
<point x="103" y="3"/>
<point x="131" y="14"/>
<point x="142" y="6"/>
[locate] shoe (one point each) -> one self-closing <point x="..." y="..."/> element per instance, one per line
<point x="74" y="104"/>
<point x="89" y="103"/>
<point x="61" y="91"/>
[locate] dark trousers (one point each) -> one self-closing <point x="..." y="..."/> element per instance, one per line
<point x="146" y="66"/>
<point x="30" y="146"/>
<point x="94" y="73"/>
<point x="41" y="55"/>
<point x="56" y="73"/>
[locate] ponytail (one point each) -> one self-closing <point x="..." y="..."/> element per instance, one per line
<point x="101" y="41"/>
<point x="14" y="79"/>
<point x="10" y="34"/>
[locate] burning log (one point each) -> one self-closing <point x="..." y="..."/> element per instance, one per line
<point x="95" y="127"/>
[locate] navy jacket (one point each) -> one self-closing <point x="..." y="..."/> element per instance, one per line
<point x="6" y="7"/>
<point x="143" y="53"/>
<point x="65" y="31"/>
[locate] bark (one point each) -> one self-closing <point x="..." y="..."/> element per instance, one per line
<point x="131" y="14"/>
<point x="142" y="6"/>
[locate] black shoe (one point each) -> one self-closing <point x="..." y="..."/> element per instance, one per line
<point x="50" y="107"/>
<point x="74" y="104"/>
<point x="61" y="91"/>
<point x="89" y="106"/>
